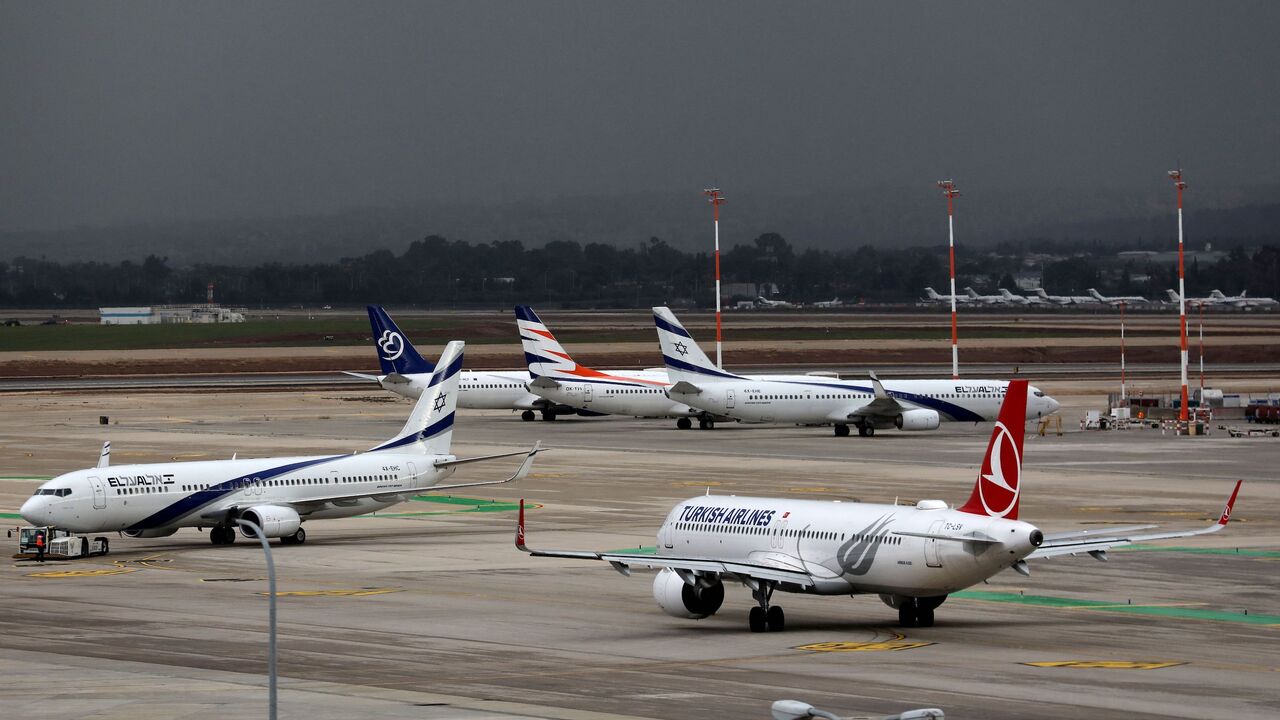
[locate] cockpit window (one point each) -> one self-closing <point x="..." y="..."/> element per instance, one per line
<point x="63" y="492"/>
<point x="1039" y="394"/>
<point x="59" y="492"/>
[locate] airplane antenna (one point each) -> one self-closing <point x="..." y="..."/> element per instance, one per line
<point x="716" y="198"/>
<point x="949" y="189"/>
<point x="1180" y="185"/>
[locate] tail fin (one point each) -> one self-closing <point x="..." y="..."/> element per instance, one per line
<point x="971" y="292"/>
<point x="543" y="353"/>
<point x="1093" y="293"/>
<point x="1217" y="294"/>
<point x="998" y="487"/>
<point x="429" y="429"/>
<point x="1173" y="296"/>
<point x="395" y="353"/>
<point x="931" y="293"/>
<point x="1043" y="295"/>
<point x="680" y="352"/>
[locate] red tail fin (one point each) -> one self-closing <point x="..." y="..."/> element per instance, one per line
<point x="999" y="483"/>
<point x="520" y="527"/>
<point x="1226" y="511"/>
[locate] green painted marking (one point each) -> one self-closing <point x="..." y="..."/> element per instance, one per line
<point x="24" y="478"/>
<point x="1242" y="552"/>
<point x="462" y="505"/>
<point x="646" y="550"/>
<point x="1183" y="613"/>
<point x="11" y="516"/>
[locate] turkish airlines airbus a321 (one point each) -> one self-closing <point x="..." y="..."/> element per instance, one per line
<point x="911" y="556"/>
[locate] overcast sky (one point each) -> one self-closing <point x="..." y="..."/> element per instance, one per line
<point x="125" y="111"/>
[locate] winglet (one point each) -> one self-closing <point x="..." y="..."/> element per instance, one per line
<point x="520" y="530"/>
<point x="1226" y="511"/>
<point x="105" y="458"/>
<point x="877" y="386"/>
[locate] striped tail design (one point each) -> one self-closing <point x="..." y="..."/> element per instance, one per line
<point x="542" y="352"/>
<point x="430" y="427"/>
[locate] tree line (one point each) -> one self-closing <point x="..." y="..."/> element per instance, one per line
<point x="437" y="272"/>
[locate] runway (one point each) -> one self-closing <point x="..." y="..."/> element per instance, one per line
<point x="428" y="610"/>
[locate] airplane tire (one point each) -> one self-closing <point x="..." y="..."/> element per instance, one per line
<point x="711" y="424"/>
<point x="775" y="619"/>
<point x="756" y="619"/>
<point x="862" y="430"/>
<point x="702" y="424"/>
<point x="548" y="416"/>
<point x="925" y="618"/>
<point x="229" y="536"/>
<point x="842" y="431"/>
<point x="684" y="423"/>
<point x="527" y="416"/>
<point x="299" y="537"/>
<point x="870" y="431"/>
<point x="215" y="535"/>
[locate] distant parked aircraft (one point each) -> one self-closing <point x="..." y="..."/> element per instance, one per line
<point x="1066" y="299"/>
<point x="932" y="296"/>
<point x="1117" y="299"/>
<point x="1016" y="299"/>
<point x="829" y="303"/>
<point x="985" y="299"/>
<point x="765" y="302"/>
<point x="1241" y="301"/>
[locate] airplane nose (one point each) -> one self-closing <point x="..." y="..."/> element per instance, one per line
<point x="1053" y="404"/>
<point x="35" y="511"/>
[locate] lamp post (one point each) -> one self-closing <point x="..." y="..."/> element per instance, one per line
<point x="271" y="583"/>
<point x="1176" y="177"/>
<point x="716" y="198"/>
<point x="949" y="189"/>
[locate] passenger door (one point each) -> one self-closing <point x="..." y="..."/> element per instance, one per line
<point x="586" y="393"/>
<point x="932" y="547"/>
<point x="728" y="399"/>
<point x="99" y="493"/>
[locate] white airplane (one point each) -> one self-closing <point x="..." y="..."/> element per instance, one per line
<point x="1241" y="301"/>
<point x="1065" y="299"/>
<point x="561" y="380"/>
<point x="765" y="302"/>
<point x="278" y="494"/>
<point x="405" y="372"/>
<point x="1116" y="299"/>
<point x="833" y="303"/>
<point x="811" y="400"/>
<point x="913" y="557"/>
<point x="985" y="299"/>
<point x="932" y="296"/>
<point x="1017" y="299"/>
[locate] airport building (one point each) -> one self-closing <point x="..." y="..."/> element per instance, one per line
<point x="166" y="314"/>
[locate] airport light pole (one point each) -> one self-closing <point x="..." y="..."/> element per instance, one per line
<point x="949" y="189"/>
<point x="1176" y="177"/>
<point x="1123" y="396"/>
<point x="716" y="198"/>
<point x="1201" y="352"/>
<point x="271" y="584"/>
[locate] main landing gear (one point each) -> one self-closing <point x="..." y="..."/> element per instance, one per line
<point x="295" y="539"/>
<point x="222" y="535"/>
<point x="766" y="617"/>
<point x="842" y="431"/>
<point x="548" y="415"/>
<point x="684" y="423"/>
<point x="866" y="430"/>
<point x="918" y="612"/>
<point x="706" y="424"/>
<point x="527" y="416"/>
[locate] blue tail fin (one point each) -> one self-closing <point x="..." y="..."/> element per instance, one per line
<point x="395" y="353"/>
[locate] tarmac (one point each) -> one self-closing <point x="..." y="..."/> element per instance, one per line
<point x="427" y="611"/>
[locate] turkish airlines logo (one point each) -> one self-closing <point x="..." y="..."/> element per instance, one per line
<point x="998" y="485"/>
<point x="391" y="344"/>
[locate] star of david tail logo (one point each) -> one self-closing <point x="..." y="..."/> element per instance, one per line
<point x="439" y="404"/>
<point x="682" y="348"/>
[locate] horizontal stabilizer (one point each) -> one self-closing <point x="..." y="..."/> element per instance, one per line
<point x="544" y="382"/>
<point x="685" y="388"/>
<point x="362" y="376"/>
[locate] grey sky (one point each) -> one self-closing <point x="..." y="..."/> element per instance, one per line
<point x="114" y="112"/>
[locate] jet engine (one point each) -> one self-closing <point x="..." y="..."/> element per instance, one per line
<point x="918" y="419"/>
<point x="680" y="599"/>
<point x="275" y="520"/>
<point x="152" y="533"/>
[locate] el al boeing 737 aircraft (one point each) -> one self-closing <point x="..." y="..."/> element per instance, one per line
<point x="913" y="557"/>
<point x="405" y="372"/>
<point x="277" y="494"/>
<point x="904" y="404"/>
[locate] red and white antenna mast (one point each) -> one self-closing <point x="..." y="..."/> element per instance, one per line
<point x="208" y="295"/>
<point x="1123" y="394"/>
<point x="717" y="199"/>
<point x="1176" y="177"/>
<point x="949" y="189"/>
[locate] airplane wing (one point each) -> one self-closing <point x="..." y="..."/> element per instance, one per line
<point x="623" y="562"/>
<point x="362" y="376"/>
<point x="881" y="405"/>
<point x="1097" y="542"/>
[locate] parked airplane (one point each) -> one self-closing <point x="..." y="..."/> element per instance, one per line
<point x="1065" y="299"/>
<point x="809" y="400"/>
<point x="278" y="494"/>
<point x="1010" y="297"/>
<point x="1117" y="299"/>
<point x="561" y="380"/>
<point x="1241" y="301"/>
<point x="405" y="372"/>
<point x="913" y="557"/>
<point x="932" y="296"/>
<point x="985" y="299"/>
<point x="766" y="303"/>
<point x="833" y="303"/>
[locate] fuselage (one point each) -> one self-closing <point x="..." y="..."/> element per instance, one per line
<point x="820" y="401"/>
<point x="849" y="547"/>
<point x="161" y="496"/>
<point x="477" y="390"/>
